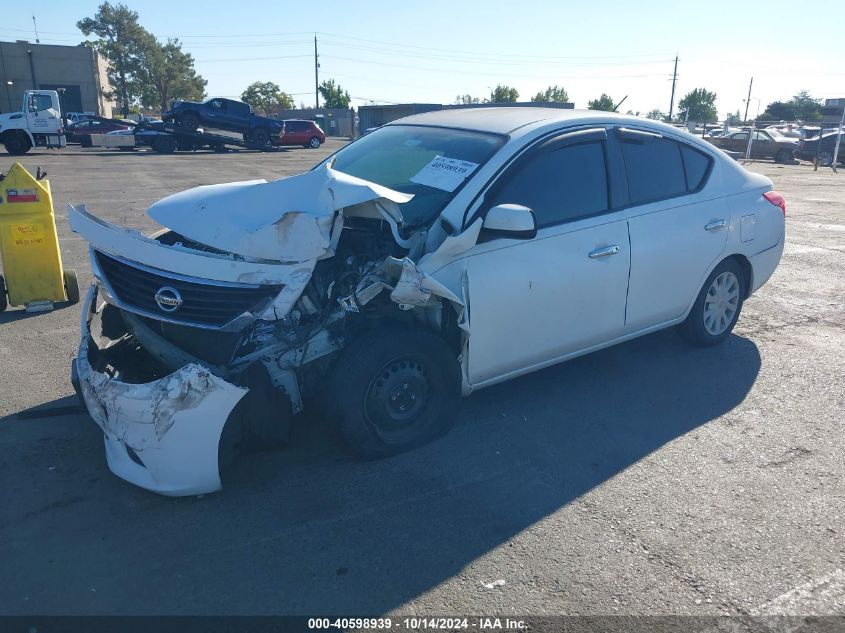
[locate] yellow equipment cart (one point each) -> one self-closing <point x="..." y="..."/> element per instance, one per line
<point x="29" y="247"/>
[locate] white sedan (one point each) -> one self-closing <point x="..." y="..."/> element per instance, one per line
<point x="435" y="256"/>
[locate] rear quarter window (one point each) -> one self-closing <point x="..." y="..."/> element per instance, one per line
<point x="696" y="167"/>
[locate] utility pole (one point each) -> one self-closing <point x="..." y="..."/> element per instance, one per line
<point x="674" y="79"/>
<point x="748" y="101"/>
<point x="316" y="80"/>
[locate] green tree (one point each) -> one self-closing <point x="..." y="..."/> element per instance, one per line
<point x="466" y="100"/>
<point x="779" y="111"/>
<point x="806" y="108"/>
<point x="655" y="115"/>
<point x="552" y="94"/>
<point x="698" y="105"/>
<point x="604" y="102"/>
<point x="333" y="95"/>
<point x="140" y="68"/>
<point x="503" y="94"/>
<point x="168" y="73"/>
<point x="264" y="96"/>
<point x="122" y="41"/>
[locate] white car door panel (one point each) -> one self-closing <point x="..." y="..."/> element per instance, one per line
<point x="545" y="298"/>
<point x="671" y="251"/>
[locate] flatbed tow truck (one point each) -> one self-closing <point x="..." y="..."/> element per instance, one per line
<point x="166" y="138"/>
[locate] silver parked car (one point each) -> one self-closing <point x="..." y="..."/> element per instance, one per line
<point x="435" y="256"/>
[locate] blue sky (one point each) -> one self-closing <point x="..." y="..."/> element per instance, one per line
<point x="432" y="51"/>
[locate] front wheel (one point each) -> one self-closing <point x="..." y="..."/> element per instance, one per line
<point x="393" y="390"/>
<point x="71" y="286"/>
<point x="260" y="136"/>
<point x="716" y="310"/>
<point x="17" y="144"/>
<point x="784" y="156"/>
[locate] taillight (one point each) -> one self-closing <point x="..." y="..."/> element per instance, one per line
<point x="777" y="199"/>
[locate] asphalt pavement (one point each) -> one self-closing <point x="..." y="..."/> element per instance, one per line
<point x="650" y="478"/>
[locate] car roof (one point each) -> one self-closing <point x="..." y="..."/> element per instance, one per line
<point x="501" y="120"/>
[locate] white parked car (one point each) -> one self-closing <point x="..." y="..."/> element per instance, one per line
<point x="433" y="257"/>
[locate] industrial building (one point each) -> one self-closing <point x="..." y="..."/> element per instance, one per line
<point x="79" y="70"/>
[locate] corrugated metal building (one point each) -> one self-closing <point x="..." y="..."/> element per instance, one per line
<point x="80" y="70"/>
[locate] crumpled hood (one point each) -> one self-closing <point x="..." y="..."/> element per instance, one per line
<point x="287" y="220"/>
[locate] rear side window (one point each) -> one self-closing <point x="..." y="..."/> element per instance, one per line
<point x="560" y="185"/>
<point x="696" y="166"/>
<point x="655" y="170"/>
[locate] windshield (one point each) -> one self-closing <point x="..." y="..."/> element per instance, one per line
<point x="405" y="158"/>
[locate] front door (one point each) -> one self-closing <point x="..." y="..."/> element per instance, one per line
<point x="532" y="302"/>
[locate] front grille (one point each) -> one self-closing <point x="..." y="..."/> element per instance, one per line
<point x="202" y="304"/>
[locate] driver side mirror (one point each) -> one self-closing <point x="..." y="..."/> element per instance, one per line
<point x="510" y="220"/>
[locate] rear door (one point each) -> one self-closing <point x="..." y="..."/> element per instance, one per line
<point x="679" y="228"/>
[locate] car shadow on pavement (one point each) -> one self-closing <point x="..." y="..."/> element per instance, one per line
<point x="17" y="313"/>
<point x="307" y="530"/>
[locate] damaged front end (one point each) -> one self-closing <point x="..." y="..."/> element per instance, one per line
<point x="207" y="337"/>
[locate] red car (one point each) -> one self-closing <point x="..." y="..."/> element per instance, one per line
<point x="302" y="132"/>
<point x="81" y="132"/>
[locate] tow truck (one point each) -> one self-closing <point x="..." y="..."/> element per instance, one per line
<point x="38" y="124"/>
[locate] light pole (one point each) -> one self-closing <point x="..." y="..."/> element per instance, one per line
<point x="757" y="116"/>
<point x="9" y="84"/>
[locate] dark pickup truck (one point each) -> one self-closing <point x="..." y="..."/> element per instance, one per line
<point x="225" y="114"/>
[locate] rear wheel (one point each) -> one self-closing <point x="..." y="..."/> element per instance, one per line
<point x="17" y="143"/>
<point x="3" y="303"/>
<point x="716" y="310"/>
<point x="189" y="121"/>
<point x="85" y="141"/>
<point x="314" y="143"/>
<point x="392" y="390"/>
<point x="825" y="159"/>
<point x="71" y="286"/>
<point x="165" y="145"/>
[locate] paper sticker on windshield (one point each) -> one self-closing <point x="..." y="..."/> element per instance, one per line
<point x="444" y="173"/>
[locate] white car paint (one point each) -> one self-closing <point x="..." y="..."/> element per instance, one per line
<point x="520" y="304"/>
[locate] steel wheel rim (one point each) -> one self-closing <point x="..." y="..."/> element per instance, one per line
<point x="721" y="303"/>
<point x="396" y="398"/>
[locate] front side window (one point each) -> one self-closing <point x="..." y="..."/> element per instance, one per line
<point x="559" y="185"/>
<point x="403" y="158"/>
<point x="655" y="169"/>
<point x="39" y="103"/>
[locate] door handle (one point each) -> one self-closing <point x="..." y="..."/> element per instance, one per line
<point x="604" y="252"/>
<point x="716" y="224"/>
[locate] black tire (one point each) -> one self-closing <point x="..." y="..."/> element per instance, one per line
<point x="825" y="159"/>
<point x="71" y="286"/>
<point x="414" y="366"/>
<point x="693" y="329"/>
<point x="126" y="149"/>
<point x="313" y="143"/>
<point x="85" y="141"/>
<point x="784" y="156"/>
<point x="189" y="121"/>
<point x="17" y="143"/>
<point x="3" y="302"/>
<point x="164" y="145"/>
<point x="260" y="136"/>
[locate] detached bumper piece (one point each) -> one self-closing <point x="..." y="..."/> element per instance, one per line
<point x="162" y="430"/>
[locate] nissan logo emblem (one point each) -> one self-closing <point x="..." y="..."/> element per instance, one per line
<point x="168" y="299"/>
